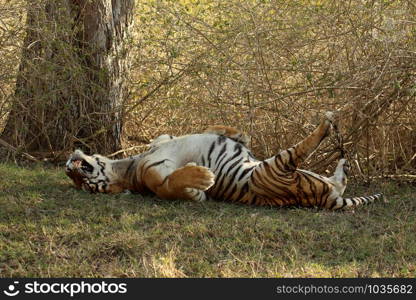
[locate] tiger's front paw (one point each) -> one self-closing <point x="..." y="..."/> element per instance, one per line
<point x="193" y="176"/>
<point x="201" y="178"/>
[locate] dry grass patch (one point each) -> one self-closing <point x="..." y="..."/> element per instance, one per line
<point x="49" y="229"/>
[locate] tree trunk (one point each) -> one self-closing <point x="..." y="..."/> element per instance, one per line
<point x="71" y="83"/>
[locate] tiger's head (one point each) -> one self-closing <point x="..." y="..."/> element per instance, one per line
<point x="90" y="173"/>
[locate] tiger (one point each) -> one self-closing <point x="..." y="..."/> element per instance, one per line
<point x="217" y="164"/>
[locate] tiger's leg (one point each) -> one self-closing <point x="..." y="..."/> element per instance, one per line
<point x="273" y="178"/>
<point x="291" y="158"/>
<point x="340" y="176"/>
<point x="188" y="182"/>
<point x="288" y="160"/>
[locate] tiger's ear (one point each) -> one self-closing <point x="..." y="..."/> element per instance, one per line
<point x="230" y="132"/>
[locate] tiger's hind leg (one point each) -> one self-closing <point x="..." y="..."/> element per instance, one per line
<point x="340" y="176"/>
<point x="188" y="182"/>
<point x="339" y="179"/>
<point x="291" y="158"/>
<point x="273" y="177"/>
<point x="288" y="160"/>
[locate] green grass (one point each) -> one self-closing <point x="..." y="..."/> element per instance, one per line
<point x="49" y="229"/>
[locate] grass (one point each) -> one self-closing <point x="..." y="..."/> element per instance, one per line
<point x="49" y="229"/>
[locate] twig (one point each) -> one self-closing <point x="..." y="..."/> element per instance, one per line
<point x="392" y="176"/>
<point x="123" y="151"/>
<point x="10" y="147"/>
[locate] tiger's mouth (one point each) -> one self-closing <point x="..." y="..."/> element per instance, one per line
<point x="81" y="165"/>
<point x="77" y="163"/>
<point x="78" y="170"/>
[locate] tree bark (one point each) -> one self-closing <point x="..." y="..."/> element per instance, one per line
<point x="71" y="84"/>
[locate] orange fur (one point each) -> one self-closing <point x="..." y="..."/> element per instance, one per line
<point x="115" y="188"/>
<point x="170" y="170"/>
<point x="175" y="185"/>
<point x="76" y="178"/>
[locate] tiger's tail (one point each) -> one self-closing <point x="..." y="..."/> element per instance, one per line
<point x="341" y="202"/>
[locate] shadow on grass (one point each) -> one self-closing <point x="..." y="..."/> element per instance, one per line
<point x="89" y="231"/>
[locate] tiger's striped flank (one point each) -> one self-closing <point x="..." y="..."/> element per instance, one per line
<point x="217" y="164"/>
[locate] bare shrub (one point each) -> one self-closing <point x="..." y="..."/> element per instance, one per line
<point x="271" y="68"/>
